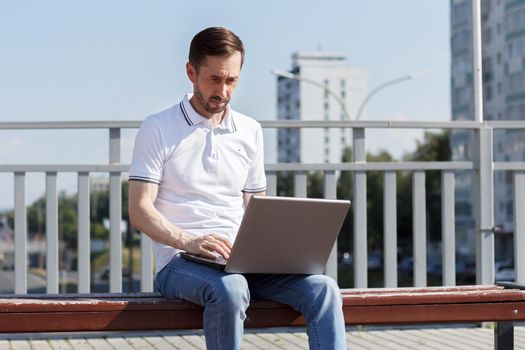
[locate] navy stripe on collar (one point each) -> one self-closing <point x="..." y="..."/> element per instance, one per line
<point x="185" y="114"/>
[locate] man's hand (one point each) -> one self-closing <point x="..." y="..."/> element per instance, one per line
<point x="208" y="245"/>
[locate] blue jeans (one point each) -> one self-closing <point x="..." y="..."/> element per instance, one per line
<point x="226" y="297"/>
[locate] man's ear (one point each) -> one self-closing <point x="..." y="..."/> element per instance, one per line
<point x="191" y="71"/>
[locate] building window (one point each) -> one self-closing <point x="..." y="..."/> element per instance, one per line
<point x="488" y="92"/>
<point x="510" y="208"/>
<point x="487" y="35"/>
<point x="463" y="209"/>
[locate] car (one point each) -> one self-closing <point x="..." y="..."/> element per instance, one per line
<point x="406" y="264"/>
<point x="346" y="258"/>
<point x="375" y="261"/>
<point x="506" y="274"/>
<point x="504" y="270"/>
<point x="435" y="269"/>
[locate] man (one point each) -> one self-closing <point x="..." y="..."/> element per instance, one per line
<point x="194" y="168"/>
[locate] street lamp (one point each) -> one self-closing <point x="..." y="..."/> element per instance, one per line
<point x="384" y="85"/>
<point x="288" y="75"/>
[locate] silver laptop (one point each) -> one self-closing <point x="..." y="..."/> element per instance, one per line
<point x="283" y="235"/>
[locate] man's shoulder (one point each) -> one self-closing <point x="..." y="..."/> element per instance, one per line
<point x="167" y="115"/>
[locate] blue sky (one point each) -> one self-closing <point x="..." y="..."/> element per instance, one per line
<point x="121" y="60"/>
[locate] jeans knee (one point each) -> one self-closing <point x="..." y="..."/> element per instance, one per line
<point x="232" y="291"/>
<point x="326" y="290"/>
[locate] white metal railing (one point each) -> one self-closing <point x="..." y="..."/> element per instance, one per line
<point x="482" y="166"/>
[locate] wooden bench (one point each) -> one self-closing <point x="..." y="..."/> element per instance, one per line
<point x="149" y="311"/>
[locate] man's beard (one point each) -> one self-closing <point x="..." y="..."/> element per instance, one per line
<point x="205" y="104"/>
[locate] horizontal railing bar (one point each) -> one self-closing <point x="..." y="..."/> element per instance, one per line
<point x="102" y="124"/>
<point x="506" y="124"/>
<point x="372" y="124"/>
<point x="64" y="168"/>
<point x="269" y="167"/>
<point x="509" y="165"/>
<point x="371" y="166"/>
<point x="133" y="124"/>
<point x="385" y="124"/>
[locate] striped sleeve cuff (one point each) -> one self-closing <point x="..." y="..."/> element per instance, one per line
<point x="255" y="190"/>
<point x="144" y="179"/>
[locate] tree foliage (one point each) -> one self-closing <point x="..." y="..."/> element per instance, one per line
<point x="68" y="218"/>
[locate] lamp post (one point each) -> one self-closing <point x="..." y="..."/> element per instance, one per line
<point x="298" y="77"/>
<point x="384" y="85"/>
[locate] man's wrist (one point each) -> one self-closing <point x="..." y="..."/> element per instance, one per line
<point x="184" y="239"/>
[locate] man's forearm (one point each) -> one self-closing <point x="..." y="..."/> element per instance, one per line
<point x="157" y="227"/>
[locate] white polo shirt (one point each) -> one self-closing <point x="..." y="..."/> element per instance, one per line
<point x="201" y="171"/>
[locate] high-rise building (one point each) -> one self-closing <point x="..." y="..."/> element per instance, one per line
<point x="301" y="100"/>
<point x="503" y="61"/>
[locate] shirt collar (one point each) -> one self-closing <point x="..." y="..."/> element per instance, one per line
<point x="192" y="117"/>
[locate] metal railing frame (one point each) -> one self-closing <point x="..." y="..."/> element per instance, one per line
<point x="483" y="167"/>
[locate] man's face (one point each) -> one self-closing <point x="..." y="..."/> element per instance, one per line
<point x="215" y="82"/>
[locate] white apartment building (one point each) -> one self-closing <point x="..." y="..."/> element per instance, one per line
<point x="300" y="100"/>
<point x="503" y="51"/>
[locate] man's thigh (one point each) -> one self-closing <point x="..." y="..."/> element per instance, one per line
<point x="197" y="283"/>
<point x="293" y="290"/>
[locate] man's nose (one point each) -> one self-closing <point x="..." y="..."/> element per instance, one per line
<point x="223" y="90"/>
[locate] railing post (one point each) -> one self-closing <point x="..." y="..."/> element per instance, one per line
<point x="419" y="224"/>
<point x="52" y="244"/>
<point x="330" y="192"/>
<point x="115" y="214"/>
<point x="271" y="183"/>
<point x="359" y="206"/>
<point x="448" y="221"/>
<point x="146" y="261"/>
<point x="84" y="243"/>
<point x="519" y="226"/>
<point x="300" y="184"/>
<point x="484" y="201"/>
<point x="20" y="234"/>
<point x="390" y="229"/>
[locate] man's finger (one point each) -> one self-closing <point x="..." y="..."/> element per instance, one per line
<point x="219" y="247"/>
<point x="223" y="240"/>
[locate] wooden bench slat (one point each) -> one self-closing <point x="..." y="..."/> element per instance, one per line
<point x="434" y="297"/>
<point x="93" y="305"/>
<point x="434" y="313"/>
<point x="145" y="311"/>
<point x="398" y="297"/>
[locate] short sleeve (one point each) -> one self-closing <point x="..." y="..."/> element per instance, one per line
<point x="148" y="155"/>
<point x="256" y="181"/>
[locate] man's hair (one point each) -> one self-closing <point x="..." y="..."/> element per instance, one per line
<point x="214" y="41"/>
